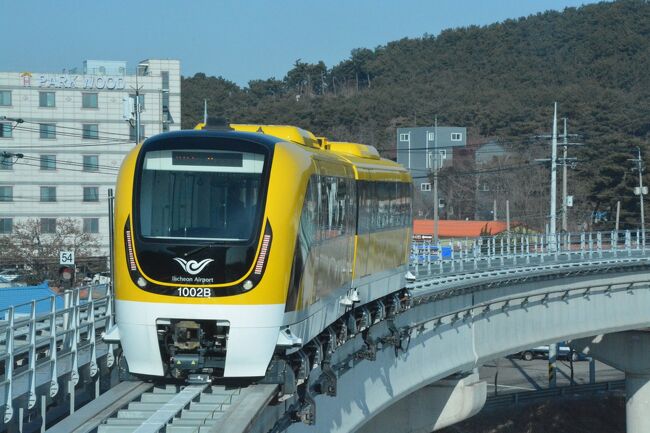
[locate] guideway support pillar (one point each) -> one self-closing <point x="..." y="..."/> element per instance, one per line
<point x="628" y="351"/>
<point x="432" y="407"/>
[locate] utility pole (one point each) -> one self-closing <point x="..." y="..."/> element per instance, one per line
<point x="435" y="181"/>
<point x="553" y="216"/>
<point x="640" y="191"/>
<point x="137" y="115"/>
<point x="494" y="210"/>
<point x="137" y="106"/>
<point x="618" y="214"/>
<point x="564" y="161"/>
<point x="564" y="180"/>
<point x="552" y="369"/>
<point x="508" y="216"/>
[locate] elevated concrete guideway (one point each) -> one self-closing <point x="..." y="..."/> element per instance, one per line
<point x="458" y="327"/>
<point x="412" y="368"/>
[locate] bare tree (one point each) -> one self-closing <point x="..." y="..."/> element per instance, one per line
<point x="29" y="248"/>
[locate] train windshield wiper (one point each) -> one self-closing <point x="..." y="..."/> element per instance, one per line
<point x="199" y="249"/>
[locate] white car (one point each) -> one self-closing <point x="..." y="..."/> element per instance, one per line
<point x="101" y="278"/>
<point x="8" y="275"/>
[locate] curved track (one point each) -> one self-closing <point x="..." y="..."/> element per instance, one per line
<point x="483" y="303"/>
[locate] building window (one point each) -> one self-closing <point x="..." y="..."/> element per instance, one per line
<point x="6" y="131"/>
<point x="132" y="132"/>
<point x="91" y="163"/>
<point x="141" y="98"/>
<point x="91" y="193"/>
<point x="46" y="99"/>
<point x="6" y="163"/>
<point x="6" y="226"/>
<point x="165" y="80"/>
<point x="425" y="186"/>
<point x="48" y="130"/>
<point x="456" y="136"/>
<point x="6" y="193"/>
<point x="48" y="193"/>
<point x="442" y="153"/>
<point x="405" y="137"/>
<point x="91" y="225"/>
<point x="165" y="104"/>
<point x="48" y="225"/>
<point x="5" y="97"/>
<point x="431" y="136"/>
<point x="90" y="131"/>
<point x="89" y="100"/>
<point x="48" y="162"/>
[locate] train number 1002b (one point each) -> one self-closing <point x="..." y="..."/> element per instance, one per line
<point x="194" y="292"/>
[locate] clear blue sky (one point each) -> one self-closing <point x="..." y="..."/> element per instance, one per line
<point x="239" y="40"/>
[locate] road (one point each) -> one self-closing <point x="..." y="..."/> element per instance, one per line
<point x="515" y="375"/>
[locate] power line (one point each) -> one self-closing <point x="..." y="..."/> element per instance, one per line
<point x="79" y="129"/>
<point x="58" y="161"/>
<point x="473" y="147"/>
<point x="67" y="169"/>
<point x="488" y="171"/>
<point x="76" y="135"/>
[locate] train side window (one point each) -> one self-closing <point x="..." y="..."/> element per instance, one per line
<point x="309" y="215"/>
<point x="342" y="207"/>
<point x="407" y="204"/>
<point x="383" y="201"/>
<point x="395" y="204"/>
<point x="332" y="195"/>
<point x="333" y="209"/>
<point x="403" y="204"/>
<point x="364" y="214"/>
<point x="351" y="206"/>
<point x="371" y="206"/>
<point x="323" y="209"/>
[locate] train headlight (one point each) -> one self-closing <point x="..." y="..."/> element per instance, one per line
<point x="142" y="282"/>
<point x="248" y="284"/>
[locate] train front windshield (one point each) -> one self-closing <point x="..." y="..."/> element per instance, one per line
<point x="200" y="194"/>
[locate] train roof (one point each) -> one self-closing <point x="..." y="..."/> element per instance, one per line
<point x="365" y="158"/>
<point x="263" y="139"/>
<point x="300" y="136"/>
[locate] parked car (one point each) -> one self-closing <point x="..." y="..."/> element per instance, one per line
<point x="8" y="275"/>
<point x="563" y="352"/>
<point x="101" y="278"/>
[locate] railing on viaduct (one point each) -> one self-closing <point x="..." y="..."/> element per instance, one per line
<point x="44" y="349"/>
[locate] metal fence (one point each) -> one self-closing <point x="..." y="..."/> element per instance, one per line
<point x="40" y="344"/>
<point x="520" y="250"/>
<point x="527" y="397"/>
<point x="37" y="348"/>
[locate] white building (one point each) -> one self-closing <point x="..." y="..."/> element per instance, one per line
<point x="72" y="131"/>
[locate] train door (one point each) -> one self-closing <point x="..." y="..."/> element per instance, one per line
<point x="364" y="202"/>
<point x="336" y="210"/>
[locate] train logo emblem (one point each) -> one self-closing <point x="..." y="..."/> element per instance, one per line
<point x="193" y="267"/>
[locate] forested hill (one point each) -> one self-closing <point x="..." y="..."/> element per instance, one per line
<point x="499" y="80"/>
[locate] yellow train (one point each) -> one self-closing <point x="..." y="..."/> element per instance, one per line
<point x="240" y="242"/>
